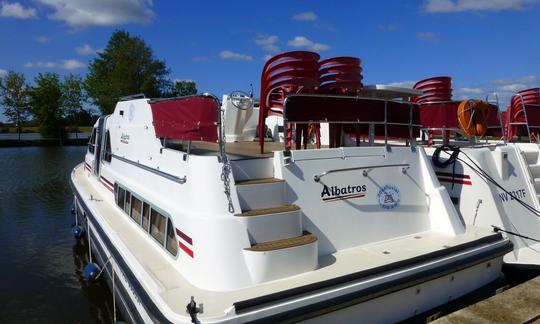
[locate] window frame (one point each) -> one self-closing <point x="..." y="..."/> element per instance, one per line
<point x="107" y="148"/>
<point x="145" y="205"/>
<point x="92" y="141"/>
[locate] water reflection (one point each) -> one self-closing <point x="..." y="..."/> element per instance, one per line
<point x="40" y="263"/>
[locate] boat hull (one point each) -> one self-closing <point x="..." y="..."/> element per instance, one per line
<point x="407" y="294"/>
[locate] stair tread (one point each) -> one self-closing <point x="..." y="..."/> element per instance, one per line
<point x="258" y="181"/>
<point x="306" y="238"/>
<point x="268" y="210"/>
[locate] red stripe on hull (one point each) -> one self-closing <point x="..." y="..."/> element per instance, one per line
<point x="106" y="185"/>
<point x="185" y="249"/>
<point x="184" y="236"/>
<point x="458" y="181"/>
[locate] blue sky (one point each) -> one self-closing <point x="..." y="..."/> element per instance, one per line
<point x="484" y="45"/>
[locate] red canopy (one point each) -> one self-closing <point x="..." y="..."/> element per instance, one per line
<point x="188" y="118"/>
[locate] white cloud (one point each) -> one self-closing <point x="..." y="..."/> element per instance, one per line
<point x="268" y="43"/>
<point x="426" y="36"/>
<point x="526" y="79"/>
<point x="40" y="64"/>
<point x="71" y="64"/>
<point x="42" y="39"/>
<point x="303" y="42"/>
<point x="438" y="6"/>
<point x="402" y="84"/>
<point x="63" y="64"/>
<point x="16" y="10"/>
<point x="471" y="90"/>
<point x="83" y="13"/>
<point x="305" y="16"/>
<point x="228" y="55"/>
<point x="86" y="50"/>
<point x="3" y="73"/>
<point x="267" y="57"/>
<point x="512" y="87"/>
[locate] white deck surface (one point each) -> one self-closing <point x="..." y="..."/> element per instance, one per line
<point x="175" y="290"/>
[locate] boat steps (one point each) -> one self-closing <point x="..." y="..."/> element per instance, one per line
<point x="305" y="238"/>
<point x="261" y="193"/>
<point x="531" y="156"/>
<point x="258" y="181"/>
<point x="274" y="223"/>
<point x="535" y="170"/>
<point x="283" y="258"/>
<point x="269" y="211"/>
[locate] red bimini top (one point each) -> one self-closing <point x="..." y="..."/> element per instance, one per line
<point x="188" y="118"/>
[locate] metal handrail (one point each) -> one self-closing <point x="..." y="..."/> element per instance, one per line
<point x="384" y="122"/>
<point x="404" y="166"/>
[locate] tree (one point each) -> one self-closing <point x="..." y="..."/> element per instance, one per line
<point x="14" y="97"/>
<point x="46" y="105"/>
<point x="72" y="101"/>
<point x="182" y="88"/>
<point x="126" y="66"/>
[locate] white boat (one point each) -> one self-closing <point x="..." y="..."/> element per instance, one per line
<point x="342" y="234"/>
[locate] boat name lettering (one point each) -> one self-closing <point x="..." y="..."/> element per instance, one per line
<point x="389" y="196"/>
<point x="124" y="138"/>
<point x="511" y="195"/>
<point x="335" y="193"/>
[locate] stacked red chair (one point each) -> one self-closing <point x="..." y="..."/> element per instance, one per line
<point x="285" y="74"/>
<point x="434" y="89"/>
<point x="340" y="75"/>
<point x="516" y="112"/>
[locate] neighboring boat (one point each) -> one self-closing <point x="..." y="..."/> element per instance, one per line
<point x="342" y="234"/>
<point x="492" y="184"/>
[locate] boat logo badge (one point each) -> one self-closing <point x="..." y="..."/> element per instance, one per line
<point x="389" y="196"/>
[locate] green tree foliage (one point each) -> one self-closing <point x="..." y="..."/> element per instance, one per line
<point x="14" y="97"/>
<point x="182" y="88"/>
<point x="126" y="66"/>
<point x="73" y="100"/>
<point x="46" y="105"/>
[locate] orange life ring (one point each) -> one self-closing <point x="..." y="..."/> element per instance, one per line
<point x="472" y="117"/>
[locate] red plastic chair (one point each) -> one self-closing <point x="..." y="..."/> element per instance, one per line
<point x="340" y="75"/>
<point x="282" y="75"/>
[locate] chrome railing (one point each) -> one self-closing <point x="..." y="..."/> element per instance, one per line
<point x="404" y="168"/>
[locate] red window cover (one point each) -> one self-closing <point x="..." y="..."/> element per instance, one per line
<point x="190" y="118"/>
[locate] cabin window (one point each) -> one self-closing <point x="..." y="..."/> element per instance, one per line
<point x="136" y="208"/>
<point x="157" y="226"/>
<point x="91" y="145"/>
<point x="172" y="245"/>
<point x="127" y="207"/>
<point x="120" y="197"/>
<point x="108" y="152"/>
<point x="146" y="216"/>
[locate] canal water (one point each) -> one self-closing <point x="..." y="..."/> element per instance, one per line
<point x="40" y="262"/>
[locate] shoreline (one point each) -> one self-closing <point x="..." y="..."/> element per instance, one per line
<point x="44" y="142"/>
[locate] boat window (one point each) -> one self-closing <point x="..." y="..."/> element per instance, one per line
<point x="91" y="142"/>
<point x="157" y="226"/>
<point x="136" y="206"/>
<point x="145" y="216"/>
<point x="108" y="152"/>
<point x="120" y="197"/>
<point x="127" y="207"/>
<point x="172" y="245"/>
